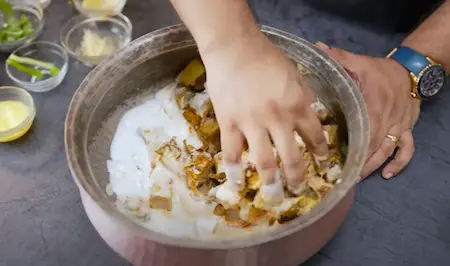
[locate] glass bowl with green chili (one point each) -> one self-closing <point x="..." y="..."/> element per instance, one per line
<point x="38" y="66"/>
<point x="21" y="22"/>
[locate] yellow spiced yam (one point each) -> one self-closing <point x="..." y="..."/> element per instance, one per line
<point x="191" y="116"/>
<point x="320" y="186"/>
<point x="307" y="203"/>
<point x="208" y="128"/>
<point x="193" y="71"/>
<point x="206" y="185"/>
<point x="202" y="105"/>
<point x="218" y="160"/>
<point x="183" y="96"/>
<point x="160" y="203"/>
<point x="219" y="210"/>
<point x="252" y="214"/>
<point x="256" y="215"/>
<point x="238" y="223"/>
<point x="169" y="150"/>
<point x="252" y="179"/>
<point x="331" y="135"/>
<point x="161" y="187"/>
<point x="233" y="219"/>
<point x="311" y="169"/>
<point x="220" y="177"/>
<point x="335" y="156"/>
<point x="289" y="215"/>
<point x="198" y="168"/>
<point x="200" y="83"/>
<point x="294" y="207"/>
<point x="188" y="147"/>
<point x="209" y="132"/>
<point x="316" y="166"/>
<point x="170" y="155"/>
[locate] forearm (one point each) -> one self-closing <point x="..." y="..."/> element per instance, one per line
<point x="432" y="37"/>
<point x="217" y="23"/>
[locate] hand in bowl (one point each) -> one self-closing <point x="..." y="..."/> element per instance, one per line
<point x="393" y="112"/>
<point x="258" y="95"/>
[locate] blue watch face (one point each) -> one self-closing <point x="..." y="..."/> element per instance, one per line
<point x="431" y="81"/>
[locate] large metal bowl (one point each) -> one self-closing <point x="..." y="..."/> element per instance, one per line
<point x="125" y="78"/>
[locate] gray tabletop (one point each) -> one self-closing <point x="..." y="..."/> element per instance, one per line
<point x="404" y="221"/>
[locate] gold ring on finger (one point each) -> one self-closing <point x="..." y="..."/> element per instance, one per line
<point x="394" y="139"/>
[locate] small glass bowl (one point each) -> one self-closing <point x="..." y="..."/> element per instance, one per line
<point x="115" y="30"/>
<point x="8" y="93"/>
<point x="104" y="10"/>
<point x="45" y="3"/>
<point x="43" y="51"/>
<point x="33" y="10"/>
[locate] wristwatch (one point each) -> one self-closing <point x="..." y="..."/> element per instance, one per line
<point x="427" y="75"/>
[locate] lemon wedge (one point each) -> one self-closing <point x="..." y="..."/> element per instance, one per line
<point x="12" y="114"/>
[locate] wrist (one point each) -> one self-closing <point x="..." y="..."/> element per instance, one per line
<point x="227" y="38"/>
<point x="403" y="75"/>
<point x="425" y="49"/>
<point x="232" y="26"/>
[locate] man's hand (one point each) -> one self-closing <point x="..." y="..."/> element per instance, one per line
<point x="258" y="95"/>
<point x="386" y="88"/>
<point x="255" y="89"/>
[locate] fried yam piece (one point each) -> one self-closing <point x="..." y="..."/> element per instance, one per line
<point x="319" y="186"/>
<point x="191" y="116"/>
<point x="183" y="96"/>
<point x="160" y="203"/>
<point x="193" y="75"/>
<point x="232" y="218"/>
<point x="198" y="168"/>
<point x="331" y="135"/>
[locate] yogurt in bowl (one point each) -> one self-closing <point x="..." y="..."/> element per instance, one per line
<point x="167" y="171"/>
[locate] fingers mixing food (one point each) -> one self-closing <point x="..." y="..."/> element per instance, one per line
<point x="188" y="166"/>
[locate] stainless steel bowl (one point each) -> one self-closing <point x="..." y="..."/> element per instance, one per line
<point x="142" y="68"/>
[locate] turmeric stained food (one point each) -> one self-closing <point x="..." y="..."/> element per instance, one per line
<point x="203" y="168"/>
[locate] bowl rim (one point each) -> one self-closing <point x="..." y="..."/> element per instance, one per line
<point x="21" y="92"/>
<point x="71" y="25"/>
<point x="62" y="73"/>
<point x="79" y="6"/>
<point x="39" y="13"/>
<point x="77" y="171"/>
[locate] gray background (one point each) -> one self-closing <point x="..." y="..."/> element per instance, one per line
<point x="404" y="221"/>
